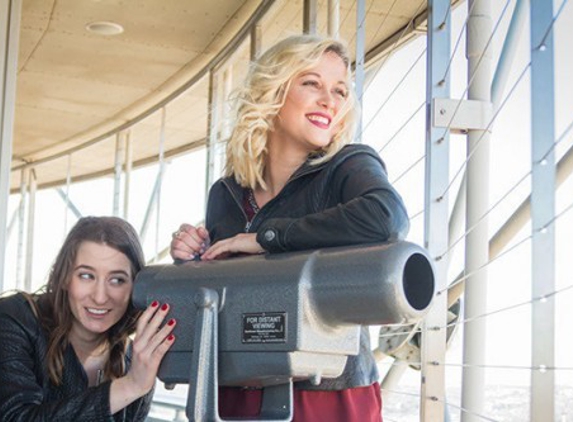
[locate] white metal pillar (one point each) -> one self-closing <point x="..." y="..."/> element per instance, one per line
<point x="160" y="179"/>
<point x="433" y="348"/>
<point x="128" y="168"/>
<point x="256" y="41"/>
<point x="542" y="212"/>
<point x="359" y="72"/>
<point x="32" y="183"/>
<point x="333" y="18"/>
<point x="480" y="77"/>
<point x="20" y="267"/>
<point x="10" y="11"/>
<point x="67" y="194"/>
<point x="309" y="16"/>
<point x="118" y="168"/>
<point x="212" y="128"/>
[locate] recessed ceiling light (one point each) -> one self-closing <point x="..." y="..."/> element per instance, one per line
<point x="104" y="28"/>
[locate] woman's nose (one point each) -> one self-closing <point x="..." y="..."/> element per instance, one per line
<point x="327" y="99"/>
<point x="99" y="292"/>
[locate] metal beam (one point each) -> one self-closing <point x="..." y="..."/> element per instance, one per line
<point x="542" y="212"/>
<point x="359" y="71"/>
<point x="128" y="169"/>
<point x="212" y="129"/>
<point x="118" y="168"/>
<point x="256" y="41"/>
<point x="10" y="11"/>
<point x="433" y="348"/>
<point x="32" y="183"/>
<point x="69" y="204"/>
<point x="480" y="76"/>
<point x="309" y="17"/>
<point x="333" y="18"/>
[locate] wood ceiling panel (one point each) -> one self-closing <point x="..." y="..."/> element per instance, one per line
<point x="75" y="88"/>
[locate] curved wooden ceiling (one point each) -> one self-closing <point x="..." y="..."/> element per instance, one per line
<point x="75" y="88"/>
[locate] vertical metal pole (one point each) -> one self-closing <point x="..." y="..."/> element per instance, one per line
<point x="508" y="51"/>
<point x="542" y="211"/>
<point x="30" y="232"/>
<point x="333" y="18"/>
<point x="359" y="72"/>
<point x="128" y="167"/>
<point x="477" y="239"/>
<point x="309" y="17"/>
<point x="20" y="271"/>
<point x="433" y="347"/>
<point x="226" y="118"/>
<point x="71" y="206"/>
<point x="256" y="41"/>
<point x="149" y="209"/>
<point x="160" y="178"/>
<point x="67" y="198"/>
<point x="212" y="129"/>
<point x="119" y="157"/>
<point x="9" y="33"/>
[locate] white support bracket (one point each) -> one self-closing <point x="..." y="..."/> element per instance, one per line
<point x="460" y="116"/>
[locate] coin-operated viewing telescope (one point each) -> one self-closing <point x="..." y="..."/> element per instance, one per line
<point x="270" y="320"/>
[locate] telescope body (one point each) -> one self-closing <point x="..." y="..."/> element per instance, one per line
<point x="287" y="316"/>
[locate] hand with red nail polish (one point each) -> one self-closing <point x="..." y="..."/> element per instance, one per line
<point x="151" y="342"/>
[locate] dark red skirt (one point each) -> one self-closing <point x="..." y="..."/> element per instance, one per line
<point x="362" y="404"/>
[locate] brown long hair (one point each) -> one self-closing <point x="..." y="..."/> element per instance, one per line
<point x="55" y="313"/>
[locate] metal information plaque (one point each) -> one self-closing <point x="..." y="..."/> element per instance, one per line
<point x="264" y="327"/>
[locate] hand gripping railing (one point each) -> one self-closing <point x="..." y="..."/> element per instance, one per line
<point x="269" y="320"/>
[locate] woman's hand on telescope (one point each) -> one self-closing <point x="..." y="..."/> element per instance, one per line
<point x="189" y="242"/>
<point x="150" y="344"/>
<point x="242" y="243"/>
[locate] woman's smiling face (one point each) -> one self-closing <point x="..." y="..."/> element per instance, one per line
<point x="99" y="289"/>
<point x="307" y="118"/>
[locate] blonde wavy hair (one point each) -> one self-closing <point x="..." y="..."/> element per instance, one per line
<point x="259" y="101"/>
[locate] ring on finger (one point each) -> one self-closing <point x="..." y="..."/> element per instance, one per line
<point x="177" y="234"/>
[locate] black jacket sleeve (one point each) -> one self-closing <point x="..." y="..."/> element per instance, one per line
<point x="362" y="207"/>
<point x="23" y="384"/>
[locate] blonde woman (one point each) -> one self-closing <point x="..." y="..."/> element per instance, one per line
<point x="294" y="182"/>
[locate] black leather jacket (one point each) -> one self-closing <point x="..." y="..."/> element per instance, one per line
<point x="345" y="201"/>
<point x="26" y="392"/>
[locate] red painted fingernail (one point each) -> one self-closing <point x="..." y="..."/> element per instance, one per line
<point x="164" y="307"/>
<point x="171" y="337"/>
<point x="171" y="322"/>
<point x="154" y="304"/>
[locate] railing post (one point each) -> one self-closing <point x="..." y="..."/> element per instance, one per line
<point x="432" y="406"/>
<point x="542" y="212"/>
<point x="10" y="11"/>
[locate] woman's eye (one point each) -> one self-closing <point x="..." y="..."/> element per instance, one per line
<point x="118" y="280"/>
<point x="342" y="93"/>
<point x="310" y="83"/>
<point x="85" y="276"/>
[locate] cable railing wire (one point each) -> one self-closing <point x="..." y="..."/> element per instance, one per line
<point x="457" y="44"/>
<point x="541" y="45"/>
<point x="478" y="142"/>
<point x="557" y="142"/>
<point x="541" y="299"/>
<point x="491" y="261"/>
<point x="408" y="169"/>
<point x="497" y="203"/>
<point x="395" y="135"/>
<point x="394" y="47"/>
<point x="478" y="64"/>
<point x="488" y="212"/>
<point x="394" y="90"/>
<point x="490" y="123"/>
